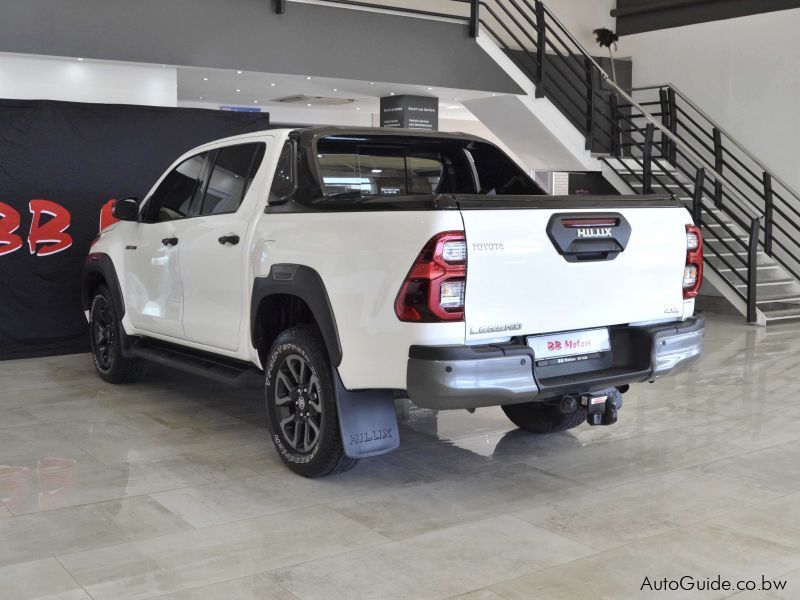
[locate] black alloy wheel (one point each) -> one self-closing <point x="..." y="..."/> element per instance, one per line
<point x="297" y="399"/>
<point x="103" y="337"/>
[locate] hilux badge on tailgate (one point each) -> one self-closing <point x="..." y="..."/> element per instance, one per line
<point x="594" y="232"/>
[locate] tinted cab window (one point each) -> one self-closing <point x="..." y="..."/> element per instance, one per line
<point x="230" y="177"/>
<point x="352" y="170"/>
<point x="176" y="194"/>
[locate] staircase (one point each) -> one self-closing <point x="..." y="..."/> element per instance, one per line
<point x="648" y="140"/>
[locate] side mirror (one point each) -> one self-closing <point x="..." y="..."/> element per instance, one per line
<point x="126" y="209"/>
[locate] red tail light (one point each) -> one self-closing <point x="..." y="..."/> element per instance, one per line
<point x="434" y="288"/>
<point x="693" y="271"/>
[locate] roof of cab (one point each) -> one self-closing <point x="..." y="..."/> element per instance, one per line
<point x="328" y="131"/>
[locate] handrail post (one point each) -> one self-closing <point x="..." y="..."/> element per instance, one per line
<point x="666" y="118"/>
<point x="718" y="163"/>
<point x="616" y="133"/>
<point x="280" y="6"/>
<point x="590" y="107"/>
<point x="673" y="124"/>
<point x="752" y="271"/>
<point x="541" y="47"/>
<point x="647" y="170"/>
<point x="768" y="217"/>
<point x="697" y="207"/>
<point x="474" y="18"/>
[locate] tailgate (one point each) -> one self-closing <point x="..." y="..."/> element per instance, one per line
<point x="560" y="264"/>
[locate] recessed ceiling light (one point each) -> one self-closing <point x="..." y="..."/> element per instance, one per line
<point x="494" y="94"/>
<point x="238" y="72"/>
<point x="430" y="88"/>
<point x="358" y="108"/>
<point x="391" y="93"/>
<point x="308" y="77"/>
<point x="81" y="59"/>
<point x="272" y="84"/>
<point x="255" y="101"/>
<point x="237" y="91"/>
<point x="163" y="65"/>
<point x="205" y="78"/>
<point x="200" y="98"/>
<point x="372" y="83"/>
<point x="308" y="105"/>
<point x="335" y="89"/>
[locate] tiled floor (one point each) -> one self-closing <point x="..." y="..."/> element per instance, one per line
<point x="170" y="488"/>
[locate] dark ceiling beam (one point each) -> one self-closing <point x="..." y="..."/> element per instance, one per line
<point x="638" y="16"/>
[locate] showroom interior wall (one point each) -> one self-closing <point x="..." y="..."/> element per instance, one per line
<point x="742" y="71"/>
<point x="31" y="78"/>
<point x="322" y="41"/>
<point x="581" y="17"/>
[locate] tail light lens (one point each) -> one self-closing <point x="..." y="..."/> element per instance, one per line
<point x="693" y="271"/>
<point x="434" y="289"/>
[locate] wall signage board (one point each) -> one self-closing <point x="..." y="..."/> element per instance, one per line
<point x="410" y="112"/>
<point x="248" y="109"/>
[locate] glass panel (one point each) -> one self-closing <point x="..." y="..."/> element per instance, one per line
<point x="283" y="181"/>
<point x="499" y="175"/>
<point x="425" y="172"/>
<point x="384" y="169"/>
<point x="229" y="179"/>
<point x="173" y="197"/>
<point x="340" y="178"/>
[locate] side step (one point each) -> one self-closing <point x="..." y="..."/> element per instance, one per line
<point x="233" y="372"/>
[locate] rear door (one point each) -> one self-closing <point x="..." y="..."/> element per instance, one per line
<point x="214" y="246"/>
<point x="557" y="265"/>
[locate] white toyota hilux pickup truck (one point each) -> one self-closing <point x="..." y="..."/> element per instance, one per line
<point x="342" y="269"/>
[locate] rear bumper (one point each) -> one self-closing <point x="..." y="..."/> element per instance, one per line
<point x="472" y="376"/>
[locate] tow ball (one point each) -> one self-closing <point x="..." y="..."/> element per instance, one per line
<point x="601" y="408"/>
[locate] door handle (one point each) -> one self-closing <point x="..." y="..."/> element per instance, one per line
<point x="170" y="241"/>
<point x="231" y="239"/>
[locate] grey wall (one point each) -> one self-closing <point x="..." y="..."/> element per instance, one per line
<point x="247" y="34"/>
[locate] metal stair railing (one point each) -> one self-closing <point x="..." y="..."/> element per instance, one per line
<point x="643" y="147"/>
<point x="634" y="146"/>
<point x="769" y="195"/>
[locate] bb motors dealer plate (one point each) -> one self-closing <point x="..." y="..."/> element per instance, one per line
<point x="570" y="344"/>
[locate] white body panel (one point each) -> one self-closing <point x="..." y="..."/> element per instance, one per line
<point x="528" y="283"/>
<point x="212" y="281"/>
<point x="154" y="297"/>
<point x="198" y="293"/>
<point x="363" y="258"/>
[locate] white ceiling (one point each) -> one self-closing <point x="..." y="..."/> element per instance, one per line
<point x="219" y="86"/>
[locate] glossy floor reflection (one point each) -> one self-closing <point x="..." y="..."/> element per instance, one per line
<point x="170" y="488"/>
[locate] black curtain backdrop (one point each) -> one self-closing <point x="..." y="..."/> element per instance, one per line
<point x="60" y="162"/>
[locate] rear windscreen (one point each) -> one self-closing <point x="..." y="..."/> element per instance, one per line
<point x="355" y="169"/>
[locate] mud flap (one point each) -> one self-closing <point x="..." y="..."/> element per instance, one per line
<point x="367" y="421"/>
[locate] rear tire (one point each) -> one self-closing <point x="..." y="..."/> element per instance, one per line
<point x="301" y="405"/>
<point x="105" y="332"/>
<point x="540" y="417"/>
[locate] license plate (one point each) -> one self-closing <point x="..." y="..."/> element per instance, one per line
<point x="570" y="343"/>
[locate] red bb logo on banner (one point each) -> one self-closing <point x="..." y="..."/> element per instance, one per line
<point x="9" y="223"/>
<point x="51" y="233"/>
<point x="47" y="235"/>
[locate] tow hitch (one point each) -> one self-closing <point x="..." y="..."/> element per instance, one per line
<point x="602" y="408"/>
